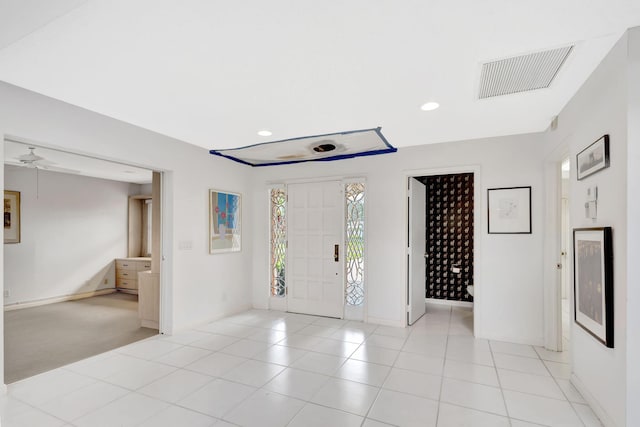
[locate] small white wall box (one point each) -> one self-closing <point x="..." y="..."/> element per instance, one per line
<point x="590" y="210"/>
<point x="591" y="205"/>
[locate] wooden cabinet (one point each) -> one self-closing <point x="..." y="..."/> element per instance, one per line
<point x="127" y="272"/>
<point x="149" y="299"/>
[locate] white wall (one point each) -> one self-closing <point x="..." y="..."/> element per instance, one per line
<point x="198" y="286"/>
<point x="633" y="229"/>
<point x="508" y="267"/>
<point x="72" y="228"/>
<point x="600" y="107"/>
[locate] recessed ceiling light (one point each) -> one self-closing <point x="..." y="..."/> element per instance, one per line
<point x="430" y="106"/>
<point x="265" y="133"/>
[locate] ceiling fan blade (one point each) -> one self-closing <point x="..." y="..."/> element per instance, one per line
<point x="20" y="164"/>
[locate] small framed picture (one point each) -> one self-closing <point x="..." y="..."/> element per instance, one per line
<point x="11" y="216"/>
<point x="224" y="222"/>
<point x="509" y="210"/>
<point x="593" y="282"/>
<point x="593" y="158"/>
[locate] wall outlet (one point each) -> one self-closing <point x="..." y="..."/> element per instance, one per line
<point x="7" y="293"/>
<point x="106" y="281"/>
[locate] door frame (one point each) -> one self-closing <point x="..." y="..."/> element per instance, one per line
<point x="553" y="246"/>
<point x="166" y="231"/>
<point x="478" y="218"/>
<point x="281" y="303"/>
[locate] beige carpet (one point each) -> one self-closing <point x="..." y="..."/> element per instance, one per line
<point x="43" y="338"/>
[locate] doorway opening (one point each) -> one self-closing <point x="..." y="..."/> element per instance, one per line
<point x="444" y="239"/>
<point x="565" y="244"/>
<point x="84" y="277"/>
<point x="449" y="237"/>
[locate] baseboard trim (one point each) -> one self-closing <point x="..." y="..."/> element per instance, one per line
<point x="46" y="301"/>
<point x="539" y="342"/>
<point x="149" y="324"/>
<point x="448" y="302"/>
<point x="386" y="322"/>
<point x="591" y="400"/>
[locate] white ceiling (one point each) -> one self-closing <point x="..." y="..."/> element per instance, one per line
<point x="213" y="73"/>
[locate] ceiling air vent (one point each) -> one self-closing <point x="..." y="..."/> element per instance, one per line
<point x="521" y="73"/>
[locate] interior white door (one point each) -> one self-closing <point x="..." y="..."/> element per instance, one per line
<point x="315" y="253"/>
<point x="416" y="252"/>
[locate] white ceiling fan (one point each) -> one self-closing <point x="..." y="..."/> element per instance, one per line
<point x="32" y="160"/>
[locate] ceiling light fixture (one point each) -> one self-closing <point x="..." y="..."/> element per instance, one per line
<point x="430" y="106"/>
<point x="265" y="132"/>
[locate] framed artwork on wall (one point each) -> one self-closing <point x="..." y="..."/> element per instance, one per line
<point x="224" y="222"/>
<point x="593" y="282"/>
<point x="11" y="216"/>
<point x="509" y="210"/>
<point x="593" y="158"/>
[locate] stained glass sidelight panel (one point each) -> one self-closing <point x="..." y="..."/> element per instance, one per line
<point x="354" y="261"/>
<point x="278" y="241"/>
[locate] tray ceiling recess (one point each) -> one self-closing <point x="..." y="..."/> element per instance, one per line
<point x="325" y="148"/>
<point x="521" y="73"/>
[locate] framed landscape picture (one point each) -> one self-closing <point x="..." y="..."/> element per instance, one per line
<point x="509" y="210"/>
<point x="593" y="158"/>
<point x="11" y="216"/>
<point x="593" y="282"/>
<point x="224" y="222"/>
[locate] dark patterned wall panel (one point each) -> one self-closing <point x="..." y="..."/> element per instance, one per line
<point x="449" y="236"/>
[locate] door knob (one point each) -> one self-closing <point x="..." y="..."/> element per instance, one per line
<point x="336" y="253"/>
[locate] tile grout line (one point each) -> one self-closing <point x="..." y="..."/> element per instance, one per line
<point x="444" y="363"/>
<point x="555" y="381"/>
<point x="495" y="367"/>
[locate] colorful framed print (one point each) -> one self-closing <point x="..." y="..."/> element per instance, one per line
<point x="224" y="222"/>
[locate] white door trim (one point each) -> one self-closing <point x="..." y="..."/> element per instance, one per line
<point x="553" y="248"/>
<point x="479" y="218"/>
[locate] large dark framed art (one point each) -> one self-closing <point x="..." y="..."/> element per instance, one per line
<point x="593" y="282"/>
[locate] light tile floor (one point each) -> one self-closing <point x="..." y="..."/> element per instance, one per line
<point x="263" y="368"/>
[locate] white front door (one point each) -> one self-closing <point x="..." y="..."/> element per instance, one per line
<point x="417" y="243"/>
<point x="315" y="250"/>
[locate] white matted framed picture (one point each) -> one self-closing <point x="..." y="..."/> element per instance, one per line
<point x="509" y="210"/>
<point x="593" y="282"/>
<point x="11" y="216"/>
<point x="224" y="222"/>
<point x="593" y="158"/>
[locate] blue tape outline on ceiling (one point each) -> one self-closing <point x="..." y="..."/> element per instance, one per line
<point x="390" y="149"/>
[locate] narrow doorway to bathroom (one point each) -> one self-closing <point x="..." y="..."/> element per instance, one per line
<point x="449" y="242"/>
